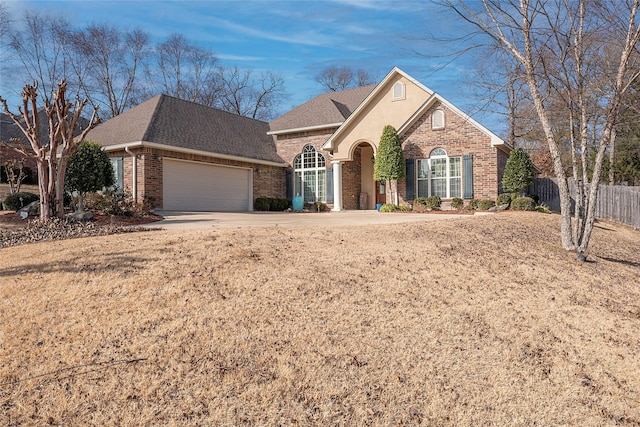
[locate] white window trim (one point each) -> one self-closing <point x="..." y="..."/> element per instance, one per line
<point x="320" y="166"/>
<point x="448" y="176"/>
<point x="402" y="87"/>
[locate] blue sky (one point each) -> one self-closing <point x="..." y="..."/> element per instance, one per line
<point x="294" y="38"/>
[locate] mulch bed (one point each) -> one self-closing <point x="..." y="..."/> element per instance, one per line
<point x="17" y="231"/>
<point x="13" y="220"/>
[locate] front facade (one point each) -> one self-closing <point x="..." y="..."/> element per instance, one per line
<point x="178" y="155"/>
<point x="447" y="153"/>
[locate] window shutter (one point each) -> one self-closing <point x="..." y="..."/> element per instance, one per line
<point x="289" y="183"/>
<point x="467" y="172"/>
<point x="410" y="178"/>
<point x="330" y="185"/>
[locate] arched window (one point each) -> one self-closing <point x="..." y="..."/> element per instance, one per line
<point x="398" y="90"/>
<point x="440" y="175"/>
<point x="437" y="119"/>
<point x="310" y="175"/>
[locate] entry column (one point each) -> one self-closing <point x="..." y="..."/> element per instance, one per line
<point x="337" y="185"/>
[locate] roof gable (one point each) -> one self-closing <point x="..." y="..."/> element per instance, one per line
<point x="366" y="106"/>
<point x="172" y="122"/>
<point x="378" y="110"/>
<point x="326" y="110"/>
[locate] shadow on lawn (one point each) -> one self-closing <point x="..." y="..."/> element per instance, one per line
<point x="621" y="261"/>
<point x="117" y="262"/>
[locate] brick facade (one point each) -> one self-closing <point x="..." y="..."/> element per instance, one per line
<point x="268" y="181"/>
<point x="457" y="138"/>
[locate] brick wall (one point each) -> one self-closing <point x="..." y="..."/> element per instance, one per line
<point x="457" y="138"/>
<point x="351" y="182"/>
<point x="290" y="145"/>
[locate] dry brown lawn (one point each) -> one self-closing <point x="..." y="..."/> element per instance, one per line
<point x="475" y="321"/>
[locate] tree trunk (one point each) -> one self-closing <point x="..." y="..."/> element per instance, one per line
<point x="43" y="186"/>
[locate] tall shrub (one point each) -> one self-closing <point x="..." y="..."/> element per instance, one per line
<point x="89" y="170"/>
<point x="389" y="165"/>
<point x="518" y="173"/>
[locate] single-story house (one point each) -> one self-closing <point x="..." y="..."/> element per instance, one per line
<point x="185" y="156"/>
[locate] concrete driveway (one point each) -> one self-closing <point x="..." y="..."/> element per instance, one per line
<point x="194" y="220"/>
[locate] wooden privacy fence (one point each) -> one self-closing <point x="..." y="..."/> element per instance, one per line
<point x="615" y="202"/>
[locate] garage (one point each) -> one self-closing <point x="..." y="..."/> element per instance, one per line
<point x="196" y="186"/>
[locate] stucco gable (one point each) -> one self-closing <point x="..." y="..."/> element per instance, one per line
<point x="379" y="109"/>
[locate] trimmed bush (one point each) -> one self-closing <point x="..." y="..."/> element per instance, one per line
<point x="388" y="207"/>
<point x="503" y="199"/>
<point x="278" y="204"/>
<point x="484" y="205"/>
<point x="523" y="204"/>
<point x="13" y="203"/>
<point x="457" y="203"/>
<point x="270" y="204"/>
<point x="432" y="202"/>
<point x="473" y="204"/>
<point x="261" y="204"/>
<point x="543" y="209"/>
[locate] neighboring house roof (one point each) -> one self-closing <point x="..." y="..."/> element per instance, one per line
<point x="174" y="124"/>
<point x="324" y="111"/>
<point x="9" y="130"/>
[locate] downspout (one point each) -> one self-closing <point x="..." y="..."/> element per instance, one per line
<point x="134" y="172"/>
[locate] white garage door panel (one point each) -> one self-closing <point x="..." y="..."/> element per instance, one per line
<point x="191" y="186"/>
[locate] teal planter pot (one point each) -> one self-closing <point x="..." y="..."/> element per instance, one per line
<point x="298" y="203"/>
<point x="378" y="206"/>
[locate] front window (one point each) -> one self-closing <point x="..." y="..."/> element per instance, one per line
<point x="118" y="172"/>
<point x="310" y="175"/>
<point x="440" y="175"/>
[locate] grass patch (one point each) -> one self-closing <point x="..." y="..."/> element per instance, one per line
<point x="485" y="321"/>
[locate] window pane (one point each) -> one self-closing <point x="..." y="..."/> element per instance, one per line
<point x="423" y="168"/>
<point x="322" y="185"/>
<point x="439" y="187"/>
<point x="455" y="168"/>
<point x="439" y="168"/>
<point x="456" y="187"/>
<point x="423" y="188"/>
<point x="310" y="186"/>
<point x="297" y="184"/>
<point x="438" y="152"/>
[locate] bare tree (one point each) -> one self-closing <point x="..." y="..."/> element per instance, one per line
<point x="184" y="70"/>
<point x="39" y="48"/>
<point x="14" y="180"/>
<point x="51" y="157"/>
<point x="107" y="62"/>
<point x="247" y="96"/>
<point x="555" y="42"/>
<point x="341" y="78"/>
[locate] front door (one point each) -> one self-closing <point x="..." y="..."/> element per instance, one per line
<point x="381" y="193"/>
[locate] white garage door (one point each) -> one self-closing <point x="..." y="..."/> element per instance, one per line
<point x="189" y="186"/>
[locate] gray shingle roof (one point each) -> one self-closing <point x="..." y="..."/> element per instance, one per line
<point x="325" y="109"/>
<point x="178" y="123"/>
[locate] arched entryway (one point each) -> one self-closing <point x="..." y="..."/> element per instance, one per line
<point x="359" y="188"/>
